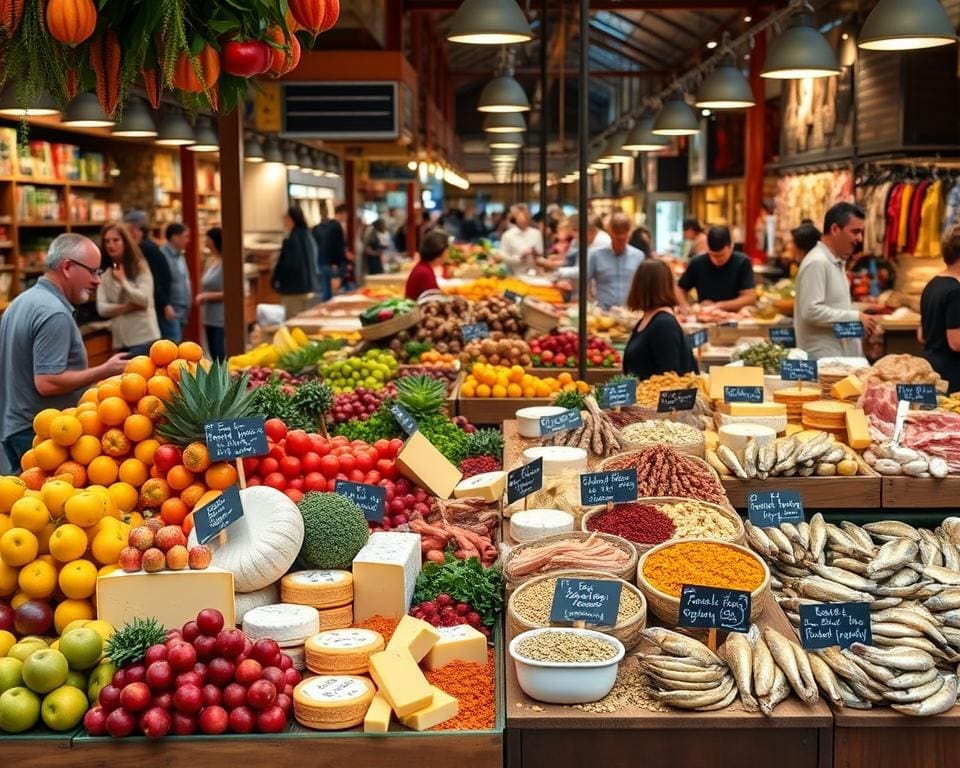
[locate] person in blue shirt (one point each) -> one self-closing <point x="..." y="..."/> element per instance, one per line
<point x="610" y="269"/>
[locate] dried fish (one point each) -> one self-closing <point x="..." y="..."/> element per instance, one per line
<point x="844" y="577"/>
<point x="893" y="529"/>
<point x="858" y="534"/>
<point x="907" y="659"/>
<point x="826" y="679"/>
<point x="679" y="645"/>
<point x="818" y="535"/>
<point x="779" y="691"/>
<point x="913" y="679"/>
<point x="783" y="654"/>
<point x="941" y="701"/>
<point x="828" y="591"/>
<point x="894" y="555"/>
<point x="738" y="654"/>
<point x="764" y="669"/>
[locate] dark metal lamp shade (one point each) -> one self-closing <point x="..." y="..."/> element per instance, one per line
<point x="725" y="88"/>
<point x="907" y="25"/>
<point x="800" y="52"/>
<point x="503" y="94"/>
<point x="489" y="22"/>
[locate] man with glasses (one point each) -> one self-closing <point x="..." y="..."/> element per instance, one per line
<point x="43" y="363"/>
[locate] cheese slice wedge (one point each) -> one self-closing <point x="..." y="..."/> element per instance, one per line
<point x="442" y="707"/>
<point x="401" y="682"/>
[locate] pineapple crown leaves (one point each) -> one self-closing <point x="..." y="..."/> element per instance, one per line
<point x="485" y="442"/>
<point x="129" y="644"/>
<point x="422" y="395"/>
<point x="204" y="396"/>
<point x="314" y="398"/>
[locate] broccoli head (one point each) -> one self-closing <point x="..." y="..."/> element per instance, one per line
<point x="334" y="530"/>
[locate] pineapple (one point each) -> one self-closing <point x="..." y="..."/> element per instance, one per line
<point x="421" y="395"/>
<point x="203" y="396"/>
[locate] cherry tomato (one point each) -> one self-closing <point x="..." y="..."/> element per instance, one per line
<point x="314" y="481"/>
<point x="277" y="452"/>
<point x="276" y="430"/>
<point x="347" y="463"/>
<point x="295" y="482"/>
<point x="290" y="467"/>
<point x="310" y="462"/>
<point x="395" y="445"/>
<point x="356" y="476"/>
<point x="387" y="468"/>
<point x="330" y="466"/>
<point x="382" y="448"/>
<point x="298" y="442"/>
<point x="268" y="465"/>
<point x="250" y="464"/>
<point x="275" y="480"/>
<point x="339" y="441"/>
<point x="294" y="495"/>
<point x="319" y="444"/>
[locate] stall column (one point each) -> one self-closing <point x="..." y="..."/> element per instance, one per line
<point x="350" y="198"/>
<point x="411" y="219"/>
<point x="753" y="151"/>
<point x="188" y="185"/>
<point x="231" y="182"/>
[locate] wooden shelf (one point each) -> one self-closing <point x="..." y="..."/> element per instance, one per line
<point x="48" y="224"/>
<point x="6" y="244"/>
<point x="87" y="223"/>
<point x="43" y="182"/>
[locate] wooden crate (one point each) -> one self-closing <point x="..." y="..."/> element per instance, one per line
<point x="493" y="411"/>
<point x="875" y="737"/>
<point x="594" y="375"/>
<point x="816" y="492"/>
<point x="904" y="492"/>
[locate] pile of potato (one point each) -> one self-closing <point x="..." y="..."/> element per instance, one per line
<point x="497" y="350"/>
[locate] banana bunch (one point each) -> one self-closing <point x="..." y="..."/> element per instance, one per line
<point x="267" y="354"/>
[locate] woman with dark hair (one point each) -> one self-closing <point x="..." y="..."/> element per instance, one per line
<point x="658" y="343"/>
<point x="126" y="293"/>
<point x="939" y="330"/>
<point x="295" y="275"/>
<point x="803" y="239"/>
<point x="422" y="277"/>
<point x="210" y="298"/>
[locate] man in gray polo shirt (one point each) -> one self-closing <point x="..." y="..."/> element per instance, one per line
<point x="611" y="268"/>
<point x="43" y="363"/>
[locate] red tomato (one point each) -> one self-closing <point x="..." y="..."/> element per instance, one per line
<point x="246" y="58"/>
<point x="253" y="481"/>
<point x="290" y="467"/>
<point x="382" y="448"/>
<point x="250" y="464"/>
<point x="387" y="468"/>
<point x="356" y="476"/>
<point x="366" y="460"/>
<point x="295" y="482"/>
<point x="347" y="463"/>
<point x="339" y="441"/>
<point x="329" y="465"/>
<point x="277" y="452"/>
<point x="294" y="495"/>
<point x="359" y="444"/>
<point x="276" y="430"/>
<point x="268" y="465"/>
<point x="275" y="480"/>
<point x="310" y="462"/>
<point x="298" y="442"/>
<point x="319" y="445"/>
<point x="343" y="450"/>
<point x="314" y="481"/>
<point x="395" y="445"/>
<point x="373" y="478"/>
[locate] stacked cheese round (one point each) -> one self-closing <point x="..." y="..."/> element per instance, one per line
<point x="826" y="415"/>
<point x="794" y="399"/>
<point x="332" y="702"/>
<point x="557" y="458"/>
<point x="318" y="588"/>
<point x="247" y="601"/>
<point x="531" y="524"/>
<point x="342" y="651"/>
<point x="336" y="618"/>
<point x="289" y="625"/>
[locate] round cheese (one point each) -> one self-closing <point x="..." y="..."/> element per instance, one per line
<point x="487" y="485"/>
<point x="332" y="702"/>
<point x="735" y="436"/>
<point x="336" y="618"/>
<point x="557" y="458"/>
<point x="530" y="524"/>
<point x="528" y="419"/>
<point x="318" y="588"/>
<point x="247" y="601"/>
<point x="343" y="651"/>
<point x="284" y="623"/>
<point x="297" y="656"/>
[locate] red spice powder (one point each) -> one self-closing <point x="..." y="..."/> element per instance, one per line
<point x="381" y="624"/>
<point x="639" y="523"/>
<point x="474" y="686"/>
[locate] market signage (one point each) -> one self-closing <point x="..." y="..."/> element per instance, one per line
<point x="407" y="423"/>
<point x="620" y="394"/>
<point x="562" y="422"/>
<point x="743" y="394"/>
<point x="592" y="601"/>
<point x="698" y="338"/>
<point x="799" y="370"/>
<point x="618" y="486"/>
<point x="785" y="337"/>
<point x="472" y="331"/>
<point x="516" y="298"/>
<point x="827" y="624"/>
<point x="852" y="330"/>
<point x="767" y="508"/>
<point x="370" y="498"/>
<point x="712" y="608"/>
<point x="923" y="394"/>
<point x="235" y="438"/>
<point x="218" y="515"/>
<point x="523" y="481"/>
<point x="676" y="400"/>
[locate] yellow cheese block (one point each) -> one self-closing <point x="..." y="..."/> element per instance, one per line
<point x="420" y="461"/>
<point x="797" y="394"/>
<point x="414" y="635"/>
<point x="400" y="680"/>
<point x="439" y="710"/>
<point x="793" y="429"/>
<point x="318" y="588"/>
<point x="459" y="643"/>
<point x="488" y="485"/>
<point x="752" y="409"/>
<point x="332" y="702"/>
<point x="336" y="618"/>
<point x="858" y="430"/>
<point x="385" y="574"/>
<point x="826" y="408"/>
<point x="377" y="719"/>
<point x="730" y="376"/>
<point x="849" y="387"/>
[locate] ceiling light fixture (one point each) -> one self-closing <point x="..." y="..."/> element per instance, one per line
<point x="85" y="112"/>
<point x="271" y="151"/>
<point x="207" y="140"/>
<point x="642" y="138"/>
<point x="291" y="159"/>
<point x="907" y="26"/>
<point x="252" y="151"/>
<point x="504" y="122"/>
<point x="800" y="52"/>
<point x="725" y="88"/>
<point x="136" y="122"/>
<point x="175" y="131"/>
<point x="43" y="105"/>
<point x="613" y="151"/>
<point x="676" y="118"/>
<point x="505" y="141"/>
<point x="489" y="22"/>
<point x="503" y="94"/>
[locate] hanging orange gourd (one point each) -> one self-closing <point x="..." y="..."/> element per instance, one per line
<point x="153" y="85"/>
<point x="11" y="11"/>
<point x="286" y="58"/>
<point x="105" y="54"/>
<point x="185" y="76"/>
<point x="71" y="21"/>
<point x="315" y="16"/>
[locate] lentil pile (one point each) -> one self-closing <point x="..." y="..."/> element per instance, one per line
<point x="566" y="647"/>
<point x="386" y="627"/>
<point x="639" y="523"/>
<point x="662" y="471"/>
<point x="668" y="432"/>
<point x="705" y="563"/>
<point x="532" y="603"/>
<point x="692" y="519"/>
<point x="632" y="690"/>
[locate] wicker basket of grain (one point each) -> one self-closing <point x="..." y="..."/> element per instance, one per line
<point x="626" y="631"/>
<point x="392" y="326"/>
<point x="627" y="572"/>
<point x="667" y="607"/>
<point x="739" y="535"/>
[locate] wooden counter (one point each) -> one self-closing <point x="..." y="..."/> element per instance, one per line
<point x="858" y="492"/>
<point x="920" y="492"/>
<point x="879" y="737"/>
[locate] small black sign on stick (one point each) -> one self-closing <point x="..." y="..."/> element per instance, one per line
<point x="727" y="610"/>
<point x="592" y="601"/>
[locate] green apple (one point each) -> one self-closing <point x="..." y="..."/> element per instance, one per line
<point x="23" y="649"/>
<point x="45" y="670"/>
<point x="34" y="639"/>
<point x="10" y="673"/>
<point x="19" y="710"/>
<point x="77" y="679"/>
<point x="83" y="648"/>
<point x="101" y="675"/>
<point x="64" y="708"/>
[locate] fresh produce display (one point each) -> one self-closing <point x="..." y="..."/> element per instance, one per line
<point x="464" y="581"/>
<point x="442" y="318"/>
<point x="259" y="375"/>
<point x="386" y="310"/>
<point x="303" y="361"/>
<point x="359" y="404"/>
<point x="301" y="406"/>
<point x="153" y="548"/>
<point x="487" y="287"/>
<point x="763" y="355"/>
<point x="471" y="259"/>
<point x="561" y="349"/>
<point x="497" y="350"/>
<point x="268" y="354"/>
<point x="372" y="370"/>
<point x="487" y="380"/>
<point x="431" y="359"/>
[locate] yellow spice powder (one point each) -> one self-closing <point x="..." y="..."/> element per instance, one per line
<point x="708" y="564"/>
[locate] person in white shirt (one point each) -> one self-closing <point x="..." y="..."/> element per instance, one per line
<point x="823" y="291"/>
<point x="522" y="245"/>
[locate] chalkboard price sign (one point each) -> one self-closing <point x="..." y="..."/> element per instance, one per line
<point x="235" y="438"/>
<point x="523" y="481"/>
<point x="618" y="395"/>
<point x="473" y="331"/>
<point x="852" y="330"/>
<point x="218" y="515"/>
<point x="768" y="508"/>
<point x="785" y="337"/>
<point x="710" y="608"/>
<point x="618" y="486"/>
<point x="827" y="624"/>
<point x="924" y="394"/>
<point x="698" y="338"/>
<point x="743" y="394"/>
<point x="407" y="423"/>
<point x="569" y="419"/>
<point x="799" y="370"/>
<point x="516" y="298"/>
<point x="592" y="601"/>
<point x="676" y="400"/>
<point x="370" y="498"/>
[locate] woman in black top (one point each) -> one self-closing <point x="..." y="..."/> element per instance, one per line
<point x="658" y="343"/>
<point x="939" y="330"/>
<point x="295" y="276"/>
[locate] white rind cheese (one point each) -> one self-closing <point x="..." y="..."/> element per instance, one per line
<point x="247" y="601"/>
<point x="776" y="423"/>
<point x="281" y="622"/>
<point x="530" y="524"/>
<point x="488" y="485"/>
<point x="528" y="419"/>
<point x="556" y="458"/>
<point x="384" y="575"/>
<point x="735" y="436"/>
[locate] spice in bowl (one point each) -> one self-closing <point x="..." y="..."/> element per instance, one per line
<point x="639" y="523"/>
<point x="705" y="563"/>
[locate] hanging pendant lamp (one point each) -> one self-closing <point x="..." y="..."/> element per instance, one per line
<point x="503" y="94"/>
<point x="489" y="22"/>
<point x="505" y="141"/>
<point x="613" y="151"/>
<point x="504" y="122"/>
<point x="175" y="131"/>
<point x="272" y="152"/>
<point x="676" y="118"/>
<point x="642" y="138"/>
<point x="800" y="52"/>
<point x="10" y="105"/>
<point x="252" y="151"/>
<point x="725" y="88"/>
<point x="136" y="122"/>
<point x="85" y="112"/>
<point x="207" y="140"/>
<point x="907" y="25"/>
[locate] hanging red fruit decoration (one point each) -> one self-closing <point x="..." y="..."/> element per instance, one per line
<point x="11" y="11"/>
<point x="71" y="21"/>
<point x="315" y="16"/>
<point x="286" y="57"/>
<point x="246" y="58"/>
<point x="105" y="55"/>
<point x="153" y="85"/>
<point x="185" y="76"/>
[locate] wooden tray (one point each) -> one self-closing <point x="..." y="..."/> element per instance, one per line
<point x="594" y="375"/>
<point x="496" y="410"/>
<point x="904" y="492"/>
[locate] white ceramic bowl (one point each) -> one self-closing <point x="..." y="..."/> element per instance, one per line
<point x="528" y="419"/>
<point x="557" y="682"/>
<point x="556" y="458"/>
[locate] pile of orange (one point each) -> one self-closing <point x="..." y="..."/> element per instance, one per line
<point x="487" y="380"/>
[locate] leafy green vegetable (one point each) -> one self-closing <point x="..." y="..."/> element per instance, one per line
<point x="272" y="401"/>
<point x="570" y="400"/>
<point x="413" y="349"/>
<point x="465" y="581"/>
<point x="484" y="442"/>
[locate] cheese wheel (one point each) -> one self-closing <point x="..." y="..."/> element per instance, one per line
<point x="530" y="524"/>
<point x="777" y="423"/>
<point x="247" y="601"/>
<point x="297" y="657"/>
<point x="735" y="436"/>
<point x="336" y="618"/>
<point x="317" y="588"/>
<point x="528" y="419"/>
<point x="332" y="702"/>
<point x="342" y="651"/>
<point x="281" y="622"/>
<point x="487" y="485"/>
<point x="556" y="458"/>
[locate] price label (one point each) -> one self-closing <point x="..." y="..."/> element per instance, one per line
<point x="617" y="486"/>
<point x="827" y="624"/>
<point x="407" y="423"/>
<point x="593" y="601"/>
<point x="569" y="419"/>
<point x="799" y="370"/>
<point x="743" y="394"/>
<point x="924" y="394"/>
<point x="371" y="499"/>
<point x="676" y="400"/>
<point x="852" y="330"/>
<point x="473" y="331"/>
<point x="711" y="608"/>
<point x="617" y="395"/>
<point x="235" y="438"/>
<point x="523" y="481"/>
<point x="516" y="298"/>
<point x="698" y="338"/>
<point x="218" y="515"/>
<point x="785" y="337"/>
<point x="767" y="508"/>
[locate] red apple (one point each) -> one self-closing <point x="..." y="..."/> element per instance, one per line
<point x="183" y="725"/>
<point x="248" y="671"/>
<point x="201" y="669"/>
<point x="171" y="536"/>
<point x="199" y="557"/>
<point x="155" y="653"/>
<point x="211" y="695"/>
<point x="135" y="697"/>
<point x="6" y="617"/>
<point x="174" y="634"/>
<point x="109" y="697"/>
<point x="220" y="671"/>
<point x="33" y="617"/>
<point x="264" y="650"/>
<point x="213" y="720"/>
<point x="247" y="648"/>
<point x="274" y="675"/>
<point x="230" y="643"/>
<point x="182" y="656"/>
<point x="190" y="631"/>
<point x="95" y="721"/>
<point x="206" y="647"/>
<point x="135" y="673"/>
<point x="160" y="676"/>
<point x="210" y="621"/>
<point x="153" y="523"/>
<point x="261" y="694"/>
<point x="188" y="699"/>
<point x="119" y="678"/>
<point x="272" y="720"/>
<point x="166" y="457"/>
<point x="242" y="720"/>
<point x="288" y="690"/>
<point x="120" y="723"/>
<point x="187" y="678"/>
<point x="155" y="723"/>
<point x="234" y="695"/>
<point x="153" y="560"/>
<point x="163" y="700"/>
<point x="285" y="702"/>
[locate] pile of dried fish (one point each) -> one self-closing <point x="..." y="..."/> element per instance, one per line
<point x="598" y="435"/>
<point x="686" y="674"/>
<point x="786" y="457"/>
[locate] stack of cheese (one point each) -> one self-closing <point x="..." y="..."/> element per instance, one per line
<point x="858" y="429"/>
<point x="794" y="398"/>
<point x="289" y="625"/>
<point x="329" y="591"/>
<point x="849" y="388"/>
<point x="385" y="573"/>
<point x="827" y="416"/>
<point x="773" y="415"/>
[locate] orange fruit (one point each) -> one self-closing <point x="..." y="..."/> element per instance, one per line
<point x="90" y="422"/>
<point x="90" y="396"/>
<point x="108" y="544"/>
<point x="29" y="513"/>
<point x="145" y="450"/>
<point x="38" y="580"/>
<point x="514" y="390"/>
<point x="68" y="542"/>
<point x="72" y="610"/>
<point x="115" y="443"/>
<point x="156" y="473"/>
<point x="125" y="496"/>
<point x="55" y="494"/>
<point x="220" y="476"/>
<point x="499" y="390"/>
<point x="163" y="352"/>
<point x="18" y="546"/>
<point x="78" y="579"/>
<point x="87" y="508"/>
<point x="11" y="489"/>
<point x="190" y="351"/>
<point x="137" y="427"/>
<point x="133" y="386"/>
<point x="179" y="477"/>
<point x="33" y="478"/>
<point x="8" y="579"/>
<point x="196" y="457"/>
<point x="192" y="494"/>
<point x="205" y="499"/>
<point x="483" y="390"/>
<point x="142" y="365"/>
<point x="29" y="459"/>
<point x="154" y="492"/>
<point x="65" y="430"/>
<point x="173" y="511"/>
<point x="75" y="471"/>
<point x="176" y="368"/>
<point x="134" y="472"/>
<point x="36" y="441"/>
<point x="41" y="422"/>
<point x="86" y="449"/>
<point x="161" y="386"/>
<point x="134" y="519"/>
<point x="187" y="527"/>
<point x="109" y="388"/>
<point x="102" y="470"/>
<point x="150" y="406"/>
<point x="113" y="411"/>
<point x="50" y="455"/>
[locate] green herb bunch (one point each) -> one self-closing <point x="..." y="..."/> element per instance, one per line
<point x="466" y="581"/>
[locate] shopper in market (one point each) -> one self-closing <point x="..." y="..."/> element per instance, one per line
<point x="174" y="250"/>
<point x="522" y="244"/>
<point x="722" y="277"/>
<point x="823" y="291"/>
<point x="695" y="239"/>
<point x="939" y="330"/>
<point x="331" y="249"/>
<point x="210" y="297"/>
<point x="43" y="363"/>
<point x="138" y="226"/>
<point x="373" y="247"/>
<point x="125" y="294"/>
<point x="295" y="275"/>
<point x="803" y="239"/>
<point x="658" y="343"/>
<point x="422" y="277"/>
<point x="610" y="270"/>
